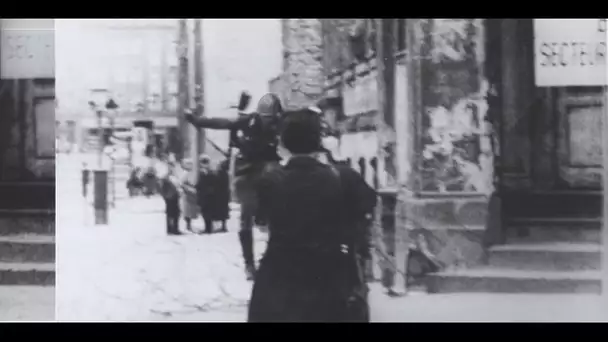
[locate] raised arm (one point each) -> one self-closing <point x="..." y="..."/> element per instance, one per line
<point x="215" y="123"/>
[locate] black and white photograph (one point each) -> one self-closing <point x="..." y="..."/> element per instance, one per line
<point x="27" y="170"/>
<point x="319" y="170"/>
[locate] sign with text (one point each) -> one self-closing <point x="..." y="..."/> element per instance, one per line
<point x="570" y="52"/>
<point x="27" y="49"/>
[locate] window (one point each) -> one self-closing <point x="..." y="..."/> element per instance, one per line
<point x="400" y="35"/>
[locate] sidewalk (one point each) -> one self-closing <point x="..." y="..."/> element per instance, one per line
<point x="27" y="303"/>
<point x="131" y="271"/>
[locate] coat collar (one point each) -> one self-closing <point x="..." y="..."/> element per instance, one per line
<point x="300" y="161"/>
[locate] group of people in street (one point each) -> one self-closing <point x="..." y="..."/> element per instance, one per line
<point x="188" y="196"/>
<point x="317" y="211"/>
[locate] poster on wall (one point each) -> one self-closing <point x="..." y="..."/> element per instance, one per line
<point x="45" y="128"/>
<point x="361" y="96"/>
<point x="27" y="48"/>
<point x="570" y="52"/>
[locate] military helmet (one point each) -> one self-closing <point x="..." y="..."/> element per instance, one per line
<point x="270" y="104"/>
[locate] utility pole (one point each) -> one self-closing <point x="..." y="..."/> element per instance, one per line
<point x="605" y="204"/>
<point x="199" y="90"/>
<point x="163" y="76"/>
<point x="145" y="72"/>
<point x="198" y="135"/>
<point x="182" y="85"/>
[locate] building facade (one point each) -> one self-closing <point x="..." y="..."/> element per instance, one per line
<point x="27" y="102"/>
<point x="136" y="66"/>
<point x="471" y="155"/>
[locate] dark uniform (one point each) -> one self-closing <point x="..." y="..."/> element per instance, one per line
<point x="85" y="180"/>
<point x="205" y="192"/>
<point x="256" y="137"/>
<point x="170" y="194"/>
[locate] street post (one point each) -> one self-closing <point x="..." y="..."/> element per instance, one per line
<point x="605" y="200"/>
<point x="196" y="134"/>
<point x="100" y="175"/>
<point x="183" y="86"/>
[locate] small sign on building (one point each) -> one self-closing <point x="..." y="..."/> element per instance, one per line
<point x="27" y="48"/>
<point x="570" y="52"/>
<point x="361" y="96"/>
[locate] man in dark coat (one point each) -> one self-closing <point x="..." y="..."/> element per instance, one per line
<point x="311" y="271"/>
<point x="255" y="136"/>
<point x="169" y="190"/>
<point x="205" y="190"/>
<point x="222" y="194"/>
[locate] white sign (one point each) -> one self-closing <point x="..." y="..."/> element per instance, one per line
<point x="27" y="49"/>
<point x="361" y="97"/>
<point x="570" y="52"/>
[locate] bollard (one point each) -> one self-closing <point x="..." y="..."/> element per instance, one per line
<point x="100" y="204"/>
<point x="85" y="181"/>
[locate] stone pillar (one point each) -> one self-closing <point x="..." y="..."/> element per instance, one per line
<point x="385" y="150"/>
<point x="303" y="61"/>
<point x="446" y="173"/>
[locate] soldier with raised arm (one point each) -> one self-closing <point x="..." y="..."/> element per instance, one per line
<point x="255" y="136"/>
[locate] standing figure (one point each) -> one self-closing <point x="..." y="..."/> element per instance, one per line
<point x="205" y="189"/>
<point x="85" y="179"/>
<point x="311" y="271"/>
<point x="188" y="198"/>
<point x="169" y="185"/>
<point x="255" y="135"/>
<point x="222" y="194"/>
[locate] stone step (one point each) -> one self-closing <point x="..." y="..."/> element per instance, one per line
<point x="564" y="203"/>
<point x="27" y="274"/>
<point x="27" y="222"/>
<point x="27" y="248"/>
<point x="27" y="195"/>
<point x="551" y="229"/>
<point x="546" y="256"/>
<point x="491" y="280"/>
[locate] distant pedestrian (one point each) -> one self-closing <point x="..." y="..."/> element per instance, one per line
<point x="188" y="198"/>
<point x="86" y="173"/>
<point x="221" y="211"/>
<point x="205" y="190"/>
<point x="149" y="177"/>
<point x="169" y="185"/>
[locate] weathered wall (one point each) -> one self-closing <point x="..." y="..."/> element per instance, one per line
<point x="315" y="48"/>
<point x="9" y="132"/>
<point x="456" y="153"/>
<point x="302" y="61"/>
<point x="448" y="166"/>
<point x="338" y="52"/>
<point x="28" y="136"/>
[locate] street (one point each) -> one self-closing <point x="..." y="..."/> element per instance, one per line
<point x="130" y="270"/>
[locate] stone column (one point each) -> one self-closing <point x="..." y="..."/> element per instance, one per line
<point x="446" y="173"/>
<point x="303" y="61"/>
